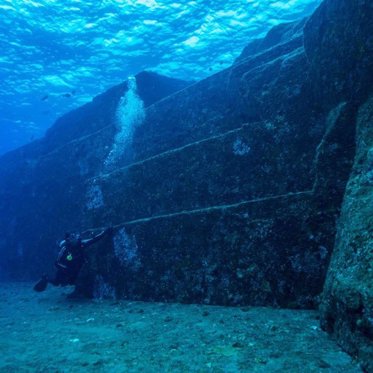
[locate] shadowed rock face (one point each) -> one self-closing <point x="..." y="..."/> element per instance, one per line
<point x="226" y="194"/>
<point x="347" y="300"/>
<point x="42" y="185"/>
<point x="339" y="46"/>
<point x="230" y="189"/>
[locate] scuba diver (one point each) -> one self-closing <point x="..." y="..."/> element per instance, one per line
<point x="70" y="259"/>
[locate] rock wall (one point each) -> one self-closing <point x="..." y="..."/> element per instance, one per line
<point x="42" y="191"/>
<point x="240" y="193"/>
<point x="231" y="187"/>
<point x="241" y="179"/>
<point x="347" y="300"/>
<point x="339" y="46"/>
<point x="339" y="43"/>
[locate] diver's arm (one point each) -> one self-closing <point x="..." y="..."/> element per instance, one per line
<point x="96" y="238"/>
<point x="63" y="248"/>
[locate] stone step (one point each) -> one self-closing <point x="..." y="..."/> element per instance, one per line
<point x="247" y="253"/>
<point x="242" y="164"/>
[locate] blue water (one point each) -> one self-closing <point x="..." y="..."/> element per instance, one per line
<point x="57" y="55"/>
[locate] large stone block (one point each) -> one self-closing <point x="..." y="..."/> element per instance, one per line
<point x="265" y="251"/>
<point x="228" y="192"/>
<point x="42" y="191"/>
<point x="347" y="300"/>
<point x="339" y="46"/>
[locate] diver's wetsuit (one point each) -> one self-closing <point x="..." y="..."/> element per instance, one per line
<point x="71" y="259"/>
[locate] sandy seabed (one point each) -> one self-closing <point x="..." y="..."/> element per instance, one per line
<point x="48" y="332"/>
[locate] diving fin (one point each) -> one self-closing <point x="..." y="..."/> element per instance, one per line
<point x="41" y="285"/>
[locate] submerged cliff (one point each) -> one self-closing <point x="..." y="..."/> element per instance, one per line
<point x="226" y="191"/>
<point x="343" y="67"/>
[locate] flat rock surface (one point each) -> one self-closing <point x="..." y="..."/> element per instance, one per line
<point x="49" y="332"/>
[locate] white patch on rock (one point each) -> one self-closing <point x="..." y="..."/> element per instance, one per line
<point x="125" y="249"/>
<point x="130" y="113"/>
<point x="102" y="290"/>
<point x="323" y="252"/>
<point x="95" y="198"/>
<point x="240" y="147"/>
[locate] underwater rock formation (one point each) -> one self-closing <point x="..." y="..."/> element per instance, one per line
<point x="42" y="191"/>
<point x="339" y="45"/>
<point x="230" y="188"/>
<point x="347" y="300"/>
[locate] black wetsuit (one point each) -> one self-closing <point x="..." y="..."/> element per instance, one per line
<point x="71" y="259"/>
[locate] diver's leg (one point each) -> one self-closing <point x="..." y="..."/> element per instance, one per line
<point x="58" y="279"/>
<point x="42" y="284"/>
